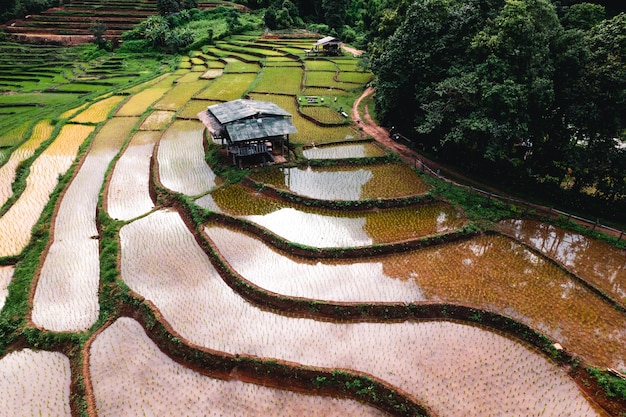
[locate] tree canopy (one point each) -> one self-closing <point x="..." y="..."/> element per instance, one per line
<point x="506" y="88"/>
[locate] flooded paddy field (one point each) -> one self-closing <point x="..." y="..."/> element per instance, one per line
<point x="355" y="150"/>
<point x="203" y="309"/>
<point x="320" y="227"/>
<point x="117" y="309"/>
<point x="597" y="262"/>
<point x="345" y="182"/>
<point x="148" y="382"/>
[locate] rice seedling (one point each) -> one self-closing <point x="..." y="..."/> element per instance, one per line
<point x="194" y="107"/>
<point x="308" y="132"/>
<point x="232" y="55"/>
<point x="323" y="91"/>
<point x="71" y="112"/>
<point x="281" y="80"/>
<point x="17" y="222"/>
<point x="196" y="60"/>
<point x="347" y="64"/>
<point x="227" y="87"/>
<point x="236" y="66"/>
<point x="345" y="183"/>
<point x="142" y="373"/>
<point x="35" y="383"/>
<point x="157" y="120"/>
<point x="322" y="79"/>
<point x="6" y="274"/>
<point x="330" y="228"/>
<point x="499" y="274"/>
<point x="41" y="132"/>
<point x="352" y="150"/>
<point x="190" y="77"/>
<point x="580" y="254"/>
<point x="66" y="297"/>
<point x="282" y="61"/>
<point x="138" y="103"/>
<point x="354" y="77"/>
<point x="481" y="368"/>
<point x="162" y="81"/>
<point x="182" y="167"/>
<point x="14" y="136"/>
<point x="98" y="111"/>
<point x="128" y="194"/>
<point x="179" y="95"/>
<point x="320" y="65"/>
<point x="324" y="115"/>
<point x="326" y="280"/>
<point x="237" y="200"/>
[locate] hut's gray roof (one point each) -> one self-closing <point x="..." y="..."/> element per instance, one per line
<point x="242" y="109"/>
<point x="251" y="129"/>
<point x="325" y="40"/>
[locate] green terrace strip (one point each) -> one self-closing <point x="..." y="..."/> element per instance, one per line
<point x="340" y="282"/>
<point x="345" y="183"/>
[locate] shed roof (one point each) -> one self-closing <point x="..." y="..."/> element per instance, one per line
<point x="325" y="40"/>
<point x="252" y="129"/>
<point x="242" y="109"/>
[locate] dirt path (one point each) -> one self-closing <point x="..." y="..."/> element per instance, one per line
<point x="381" y="135"/>
<point x="351" y="50"/>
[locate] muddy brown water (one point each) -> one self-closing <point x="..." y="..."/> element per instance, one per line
<point x="597" y="262"/>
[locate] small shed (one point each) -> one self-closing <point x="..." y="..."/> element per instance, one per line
<point x="250" y="128"/>
<point x="326" y="46"/>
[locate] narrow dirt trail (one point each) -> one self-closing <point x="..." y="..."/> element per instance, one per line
<point x="380" y="134"/>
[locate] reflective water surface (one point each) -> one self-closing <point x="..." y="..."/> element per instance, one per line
<point x="595" y="261"/>
<point x="345" y="183"/>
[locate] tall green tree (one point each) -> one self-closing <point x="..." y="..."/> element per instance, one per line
<point x="425" y="76"/>
<point x="583" y="16"/>
<point x="597" y="110"/>
<point x="335" y="13"/>
<point x="515" y="72"/>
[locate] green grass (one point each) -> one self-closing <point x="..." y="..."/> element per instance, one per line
<point x="228" y="87"/>
<point x="235" y="65"/>
<point x="308" y="132"/>
<point x="280" y="80"/>
<point x="613" y="386"/>
<point x="354" y="77"/>
<point x="324" y="114"/>
<point x="320" y="65"/>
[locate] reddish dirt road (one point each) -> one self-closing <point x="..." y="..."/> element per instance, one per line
<point x="381" y="135"/>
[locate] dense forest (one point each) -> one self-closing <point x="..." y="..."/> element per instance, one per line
<point x="515" y="91"/>
<point x="527" y="94"/>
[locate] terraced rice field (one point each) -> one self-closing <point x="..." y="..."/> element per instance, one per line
<point x="41" y="132"/>
<point x="35" y="383"/>
<point x="161" y="289"/>
<point x="345" y="183"/>
<point x="210" y="314"/>
<point x="353" y="150"/>
<point x="181" y="163"/>
<point x="596" y="262"/>
<point x="66" y="297"/>
<point x="150" y="383"/>
<point x="128" y="193"/>
<point x="17" y="222"/>
<point x="6" y="274"/>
